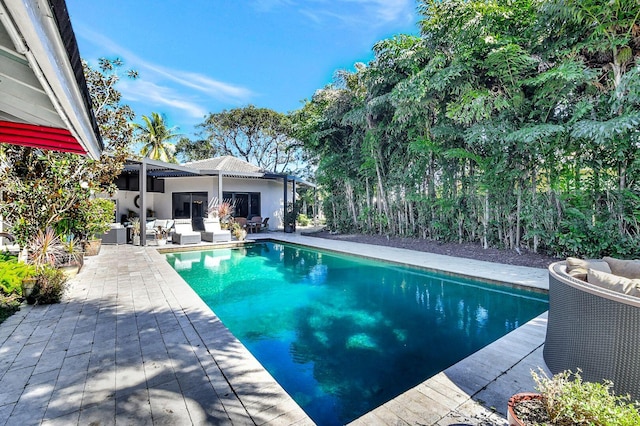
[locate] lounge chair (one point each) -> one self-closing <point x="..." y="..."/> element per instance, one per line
<point x="265" y="224"/>
<point x="213" y="233"/>
<point x="184" y="233"/>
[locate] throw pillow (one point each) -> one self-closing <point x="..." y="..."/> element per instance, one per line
<point x="614" y="282"/>
<point x="624" y="268"/>
<point x="578" y="268"/>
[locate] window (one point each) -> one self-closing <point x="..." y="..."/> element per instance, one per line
<point x="130" y="182"/>
<point x="247" y="203"/>
<point x="189" y="205"/>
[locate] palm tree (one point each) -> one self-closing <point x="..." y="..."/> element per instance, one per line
<point x="155" y="135"/>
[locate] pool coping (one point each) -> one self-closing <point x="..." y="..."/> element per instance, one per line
<point x="477" y="388"/>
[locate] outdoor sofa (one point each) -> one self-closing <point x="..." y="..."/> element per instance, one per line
<point x="594" y="321"/>
<point x="184" y="233"/>
<point x="213" y="233"/>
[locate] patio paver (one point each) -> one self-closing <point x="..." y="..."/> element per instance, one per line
<point x="131" y="343"/>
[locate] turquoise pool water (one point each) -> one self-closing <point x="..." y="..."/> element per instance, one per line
<point x="343" y="335"/>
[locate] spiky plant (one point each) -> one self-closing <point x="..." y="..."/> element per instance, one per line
<point x="46" y="249"/>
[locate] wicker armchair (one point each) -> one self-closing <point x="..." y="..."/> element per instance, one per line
<point x="594" y="329"/>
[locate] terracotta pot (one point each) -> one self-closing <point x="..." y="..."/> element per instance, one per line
<point x="92" y="247"/>
<point x="515" y="400"/>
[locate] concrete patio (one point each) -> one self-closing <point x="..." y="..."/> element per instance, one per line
<point x="132" y="344"/>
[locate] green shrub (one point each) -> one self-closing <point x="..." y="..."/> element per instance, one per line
<point x="50" y="286"/>
<point x="5" y="256"/>
<point x="8" y="306"/>
<point x="12" y="273"/>
<point x="571" y="401"/>
<point x="303" y="220"/>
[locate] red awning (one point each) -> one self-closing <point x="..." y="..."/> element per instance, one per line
<point x="39" y="137"/>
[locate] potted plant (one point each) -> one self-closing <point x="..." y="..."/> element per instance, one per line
<point x="225" y="210"/>
<point x="290" y="216"/>
<point x="238" y="232"/>
<point x="98" y="214"/>
<point x="565" y="399"/>
<point x="135" y="230"/>
<point x="73" y="256"/>
<point x="161" y="236"/>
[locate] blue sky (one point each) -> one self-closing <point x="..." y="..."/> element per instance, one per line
<point x="200" y="56"/>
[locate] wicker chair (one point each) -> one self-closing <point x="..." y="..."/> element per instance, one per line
<point x="213" y="233"/>
<point x="594" y="329"/>
<point x="184" y="233"/>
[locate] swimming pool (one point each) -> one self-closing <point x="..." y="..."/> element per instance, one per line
<point x="342" y="334"/>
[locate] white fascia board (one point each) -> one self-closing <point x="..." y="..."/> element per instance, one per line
<point x="44" y="49"/>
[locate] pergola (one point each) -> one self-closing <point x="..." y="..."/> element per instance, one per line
<point x="44" y="100"/>
<point x="146" y="167"/>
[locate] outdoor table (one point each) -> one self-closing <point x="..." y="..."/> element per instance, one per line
<point x="252" y="227"/>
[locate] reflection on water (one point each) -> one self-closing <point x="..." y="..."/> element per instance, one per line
<point x="343" y="335"/>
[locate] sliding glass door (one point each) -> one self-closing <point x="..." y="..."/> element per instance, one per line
<point x="247" y="204"/>
<point x="189" y="205"/>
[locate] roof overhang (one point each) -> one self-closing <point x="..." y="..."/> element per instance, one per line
<point x="41" y="80"/>
<point x="160" y="169"/>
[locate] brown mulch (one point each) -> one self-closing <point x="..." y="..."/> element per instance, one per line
<point x="465" y="250"/>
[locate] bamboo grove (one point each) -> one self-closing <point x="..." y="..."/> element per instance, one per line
<point x="511" y="123"/>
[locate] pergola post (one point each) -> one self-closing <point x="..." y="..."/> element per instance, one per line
<point x="293" y="200"/>
<point x="285" y="179"/>
<point x="142" y="179"/>
<point x="220" y="197"/>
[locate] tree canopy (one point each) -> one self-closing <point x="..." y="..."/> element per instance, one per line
<point x="257" y="135"/>
<point x="513" y="123"/>
<point x="50" y="189"/>
<point x="193" y="150"/>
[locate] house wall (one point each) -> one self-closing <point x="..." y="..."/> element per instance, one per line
<point x="271" y="195"/>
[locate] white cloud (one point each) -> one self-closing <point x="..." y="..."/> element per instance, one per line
<point x="348" y="12"/>
<point x="145" y="91"/>
<point x="159" y="75"/>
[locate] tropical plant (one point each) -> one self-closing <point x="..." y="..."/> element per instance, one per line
<point x="72" y="248"/>
<point x="225" y="210"/>
<point x="238" y="231"/>
<point x="290" y="214"/>
<point x="12" y="273"/>
<point x="135" y="226"/>
<point x="46" y="249"/>
<point x="510" y="123"/>
<point x="156" y="138"/>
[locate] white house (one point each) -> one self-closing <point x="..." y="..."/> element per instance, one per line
<point x="172" y="191"/>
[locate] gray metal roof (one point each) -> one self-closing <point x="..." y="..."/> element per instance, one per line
<point x="226" y="163"/>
